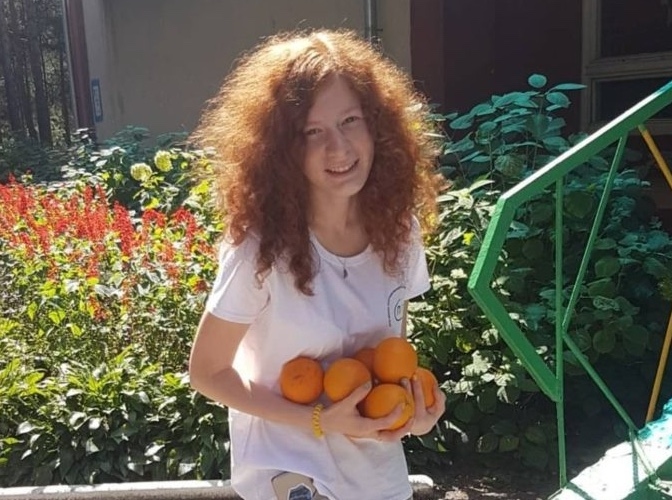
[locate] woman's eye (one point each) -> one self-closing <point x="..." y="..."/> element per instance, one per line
<point x="351" y="119"/>
<point x="311" y="131"/>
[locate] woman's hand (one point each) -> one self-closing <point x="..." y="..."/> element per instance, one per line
<point x="344" y="417"/>
<point x="425" y="418"/>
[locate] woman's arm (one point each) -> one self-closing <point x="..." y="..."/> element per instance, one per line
<point x="212" y="374"/>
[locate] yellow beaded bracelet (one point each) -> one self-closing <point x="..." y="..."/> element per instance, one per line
<point x="317" y="428"/>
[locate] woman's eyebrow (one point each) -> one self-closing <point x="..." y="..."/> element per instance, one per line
<point x="354" y="108"/>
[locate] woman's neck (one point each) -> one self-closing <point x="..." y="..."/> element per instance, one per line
<point x="339" y="228"/>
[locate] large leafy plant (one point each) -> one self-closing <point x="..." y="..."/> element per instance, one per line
<point x="618" y="317"/>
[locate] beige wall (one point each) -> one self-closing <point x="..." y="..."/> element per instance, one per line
<point x="158" y="61"/>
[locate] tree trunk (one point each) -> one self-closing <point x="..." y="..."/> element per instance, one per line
<point x="11" y="86"/>
<point x="19" y="64"/>
<point x="41" y="102"/>
<point x="65" y="109"/>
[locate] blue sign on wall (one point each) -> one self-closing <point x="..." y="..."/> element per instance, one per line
<point x="97" y="100"/>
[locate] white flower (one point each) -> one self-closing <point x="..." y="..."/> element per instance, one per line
<point x="163" y="161"/>
<point x="141" y="171"/>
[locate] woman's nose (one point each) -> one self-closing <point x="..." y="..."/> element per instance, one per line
<point x="337" y="142"/>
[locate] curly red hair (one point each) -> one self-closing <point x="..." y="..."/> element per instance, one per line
<point x="254" y="125"/>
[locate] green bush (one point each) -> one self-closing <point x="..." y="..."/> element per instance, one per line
<point x="124" y="420"/>
<point x="620" y="315"/>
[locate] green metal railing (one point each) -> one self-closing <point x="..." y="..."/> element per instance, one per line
<point x="480" y="280"/>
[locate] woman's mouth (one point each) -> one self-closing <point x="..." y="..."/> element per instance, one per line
<point x="344" y="169"/>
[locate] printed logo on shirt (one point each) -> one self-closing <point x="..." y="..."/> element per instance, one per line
<point x="395" y="306"/>
<point x="300" y="492"/>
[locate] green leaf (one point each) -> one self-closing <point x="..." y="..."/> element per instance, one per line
<point x="579" y="204"/>
<point x="558" y="98"/>
<point x="510" y="165"/>
<point x="91" y="447"/>
<point x="487" y="400"/>
<point x="25" y="428"/>
<point x="185" y="468"/>
<point x="604" y="287"/>
<point x="508" y="394"/>
<point x="604" y="244"/>
<point x="56" y="316"/>
<point x="540" y="213"/>
<point x="555" y="142"/>
<point x="508" y="442"/>
<point x="607" y="266"/>
<point x="654" y="267"/>
<point x="490" y="337"/>
<point x="604" y="341"/>
<point x="537" y="81"/>
<point x="605" y="304"/>
<point x="464" y="411"/>
<point x="487" y="443"/>
<point x="568" y="86"/>
<point x="536" y="435"/>
<point x="503" y="427"/>
<point x="461" y="123"/>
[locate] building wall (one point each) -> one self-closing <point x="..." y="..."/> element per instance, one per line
<point x="158" y="61"/>
<point x="463" y="52"/>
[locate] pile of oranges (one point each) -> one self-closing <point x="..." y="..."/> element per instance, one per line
<point x="303" y="379"/>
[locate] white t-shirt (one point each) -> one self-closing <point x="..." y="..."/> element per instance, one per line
<point x="344" y="315"/>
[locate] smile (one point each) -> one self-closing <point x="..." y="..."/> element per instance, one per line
<point x="344" y="169"/>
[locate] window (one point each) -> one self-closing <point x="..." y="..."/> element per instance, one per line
<point x="627" y="55"/>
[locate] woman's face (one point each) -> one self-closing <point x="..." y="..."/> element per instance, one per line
<point x="338" y="144"/>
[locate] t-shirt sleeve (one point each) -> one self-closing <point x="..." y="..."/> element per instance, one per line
<point x="236" y="295"/>
<point x="417" y="273"/>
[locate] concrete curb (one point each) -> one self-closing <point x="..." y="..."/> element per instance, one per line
<point x="423" y="489"/>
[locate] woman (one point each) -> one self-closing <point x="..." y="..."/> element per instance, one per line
<point x="325" y="174"/>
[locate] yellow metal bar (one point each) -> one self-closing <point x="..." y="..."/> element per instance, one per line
<point x="655" y="392"/>
<point x="661" y="370"/>
<point x="662" y="164"/>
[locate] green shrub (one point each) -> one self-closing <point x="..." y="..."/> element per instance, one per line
<point x="123" y="420"/>
<point x="620" y="312"/>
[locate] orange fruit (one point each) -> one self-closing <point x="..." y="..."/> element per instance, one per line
<point x="428" y="382"/>
<point x="383" y="399"/>
<point x="365" y="355"/>
<point x="394" y="358"/>
<point x="301" y="380"/>
<point x="344" y="376"/>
